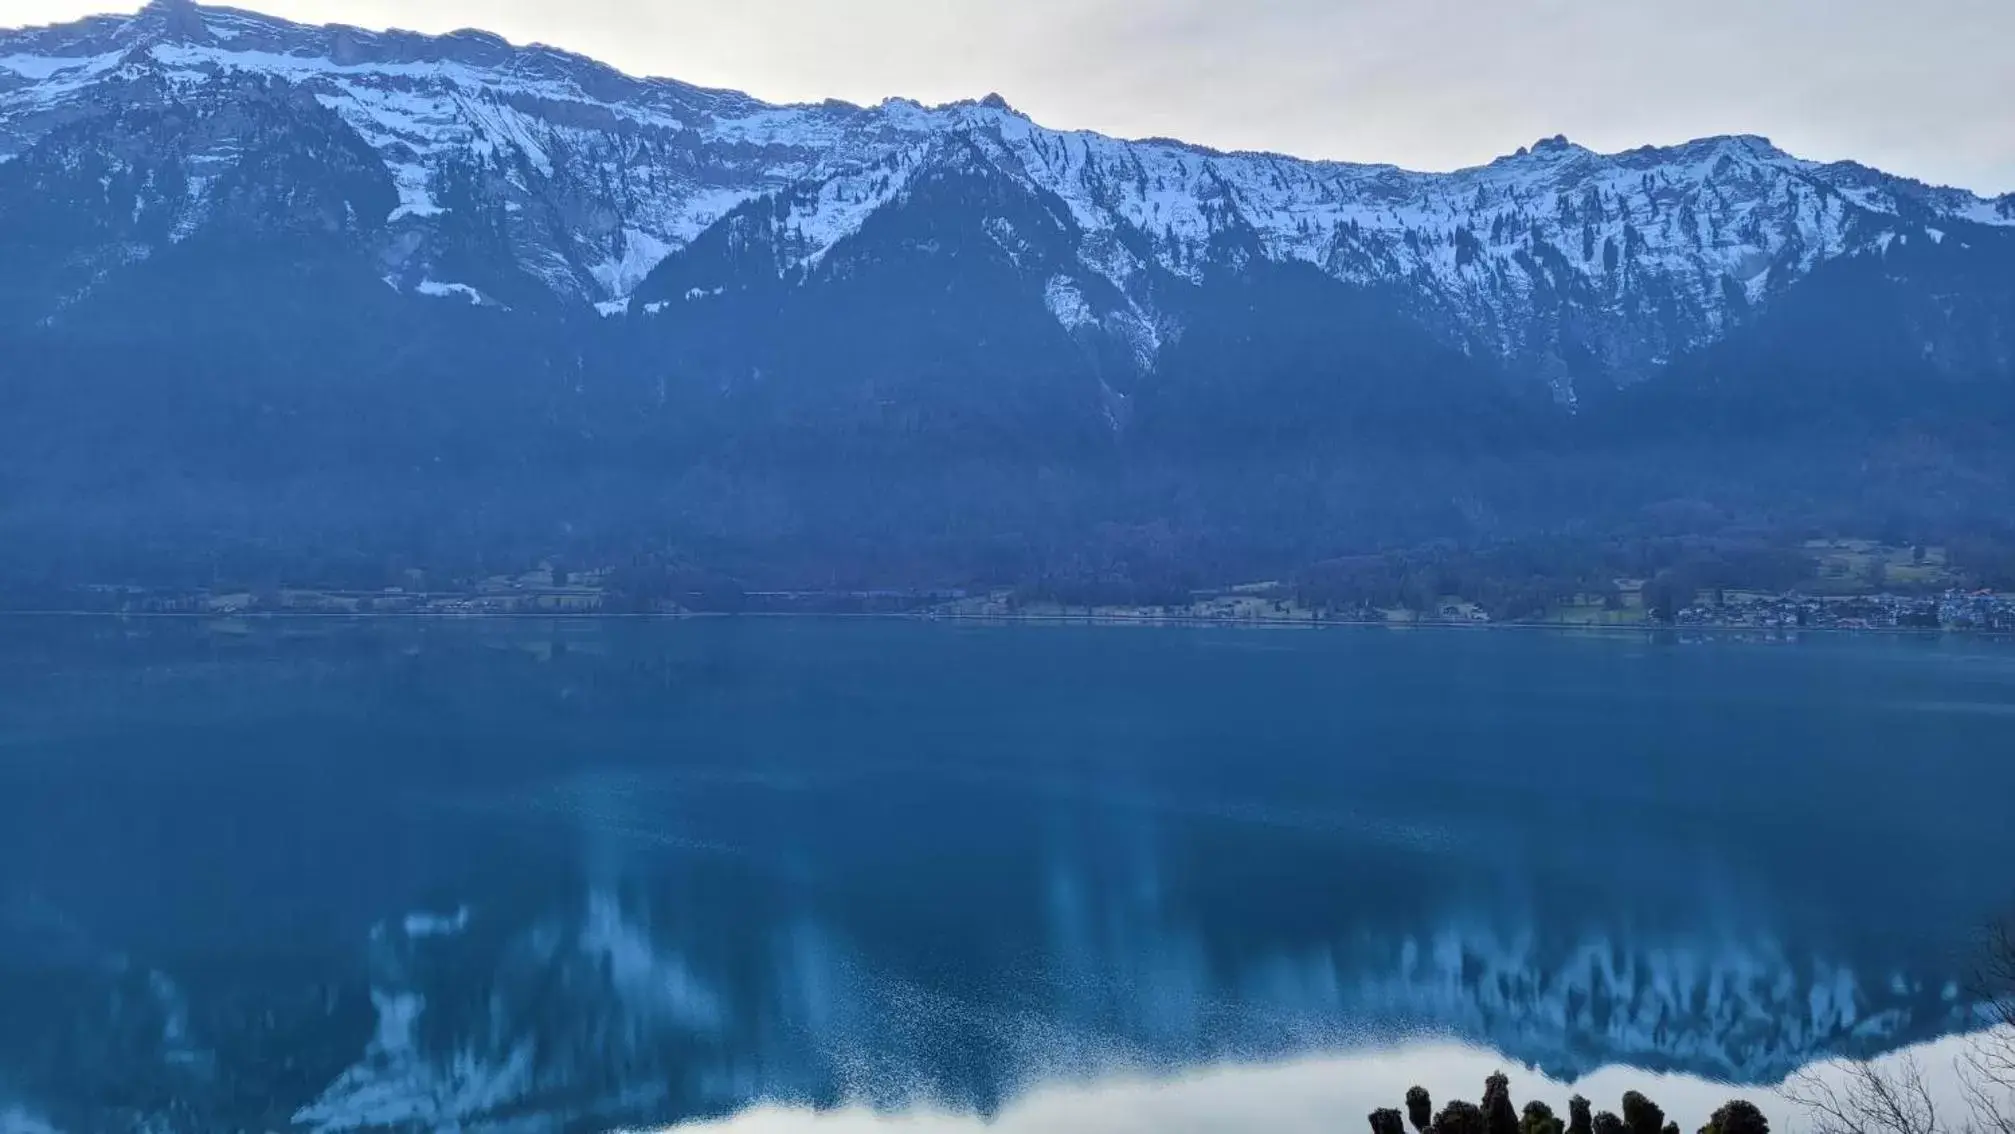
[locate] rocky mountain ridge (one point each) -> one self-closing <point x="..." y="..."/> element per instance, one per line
<point x="1556" y="262"/>
<point x="334" y="299"/>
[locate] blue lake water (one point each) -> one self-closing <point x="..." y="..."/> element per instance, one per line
<point x="532" y="876"/>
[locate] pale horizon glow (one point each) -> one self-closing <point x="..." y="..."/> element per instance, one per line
<point x="1426" y="84"/>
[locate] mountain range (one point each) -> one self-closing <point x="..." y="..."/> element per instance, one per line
<point x="300" y="292"/>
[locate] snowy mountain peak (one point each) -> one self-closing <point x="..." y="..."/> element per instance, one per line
<point x="174" y="19"/>
<point x="1558" y="144"/>
<point x="593" y="178"/>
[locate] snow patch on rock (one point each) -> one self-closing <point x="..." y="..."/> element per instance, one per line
<point x="441" y="290"/>
<point x="1067" y="303"/>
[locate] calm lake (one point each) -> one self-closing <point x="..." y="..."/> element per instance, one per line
<point x="533" y="876"/>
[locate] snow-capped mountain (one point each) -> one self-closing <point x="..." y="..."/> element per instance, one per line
<point x="1557" y="261"/>
<point x="364" y="289"/>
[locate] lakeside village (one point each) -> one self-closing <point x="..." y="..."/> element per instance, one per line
<point x="1844" y="596"/>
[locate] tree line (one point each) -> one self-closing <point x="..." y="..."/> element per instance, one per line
<point x="1499" y="1115"/>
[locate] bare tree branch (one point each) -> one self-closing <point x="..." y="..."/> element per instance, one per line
<point x="1991" y="1102"/>
<point x="1996" y="978"/>
<point x="1893" y="1098"/>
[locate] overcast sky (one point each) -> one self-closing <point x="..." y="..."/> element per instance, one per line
<point x="1925" y="87"/>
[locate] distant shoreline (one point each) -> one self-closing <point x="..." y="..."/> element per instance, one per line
<point x="1170" y="622"/>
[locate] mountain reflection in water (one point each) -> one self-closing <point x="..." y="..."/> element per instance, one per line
<point x="454" y="876"/>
